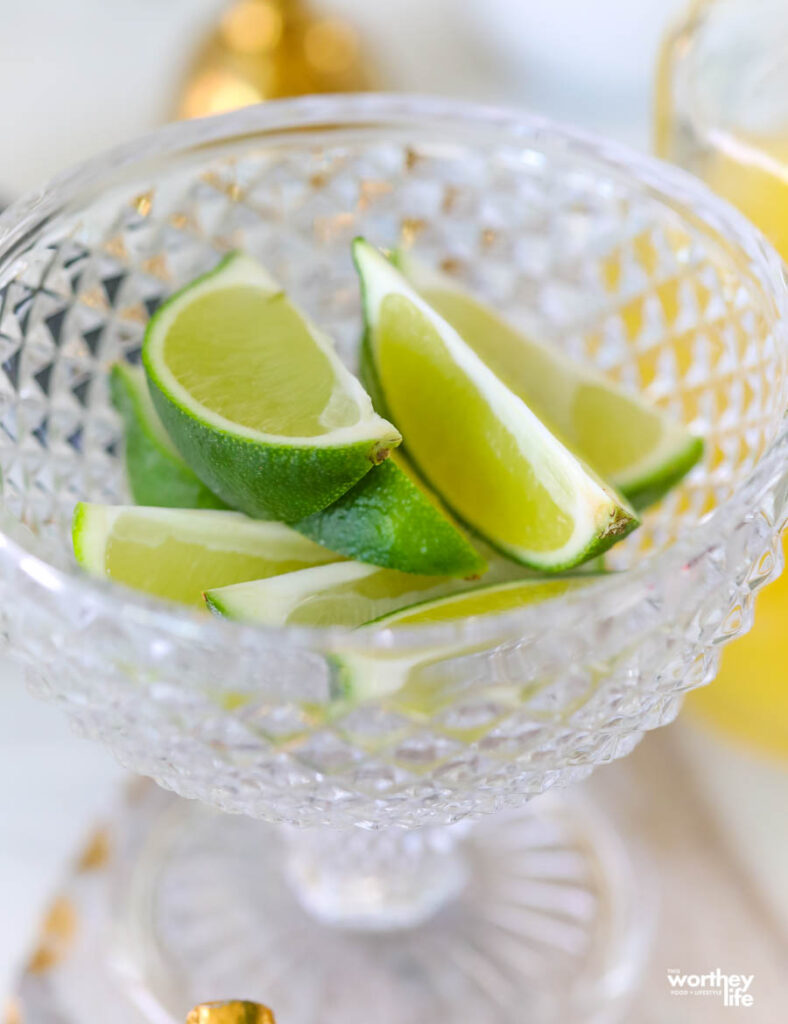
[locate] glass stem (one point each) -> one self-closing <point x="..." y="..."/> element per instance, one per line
<point x="375" y="880"/>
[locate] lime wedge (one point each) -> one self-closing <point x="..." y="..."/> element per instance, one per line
<point x="256" y="399"/>
<point x="156" y="472"/>
<point x="636" y="448"/>
<point x="344" y="594"/>
<point x="179" y="553"/>
<point x="390" y="519"/>
<point x="363" y="676"/>
<point x="478" y="444"/>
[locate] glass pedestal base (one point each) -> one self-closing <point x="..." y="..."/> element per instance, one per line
<point x="544" y="917"/>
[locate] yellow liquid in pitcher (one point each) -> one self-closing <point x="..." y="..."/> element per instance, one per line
<point x="750" y="696"/>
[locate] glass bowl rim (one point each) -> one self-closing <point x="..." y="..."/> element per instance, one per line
<point x="276" y="118"/>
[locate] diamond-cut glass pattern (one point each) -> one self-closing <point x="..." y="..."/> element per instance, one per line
<point x="589" y="253"/>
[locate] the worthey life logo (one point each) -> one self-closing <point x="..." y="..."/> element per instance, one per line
<point x="733" y="988"/>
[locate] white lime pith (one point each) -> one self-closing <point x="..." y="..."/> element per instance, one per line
<point x="383" y="672"/>
<point x="344" y="594"/>
<point x="179" y="553"/>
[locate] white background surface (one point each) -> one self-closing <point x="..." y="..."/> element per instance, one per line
<point x="77" y="77"/>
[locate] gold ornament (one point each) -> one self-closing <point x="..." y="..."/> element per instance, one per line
<point x="264" y="49"/>
<point x="233" y="1012"/>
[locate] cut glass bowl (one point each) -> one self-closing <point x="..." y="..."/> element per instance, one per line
<point x="618" y="260"/>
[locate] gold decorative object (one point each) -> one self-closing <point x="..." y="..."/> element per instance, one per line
<point x="12" y="1012"/>
<point x="234" y="1012"/>
<point x="264" y="49"/>
<point x="56" y="937"/>
<point x="96" y="853"/>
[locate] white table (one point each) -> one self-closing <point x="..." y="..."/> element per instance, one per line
<point x="713" y="820"/>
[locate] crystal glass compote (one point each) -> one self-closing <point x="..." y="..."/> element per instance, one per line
<point x="375" y="909"/>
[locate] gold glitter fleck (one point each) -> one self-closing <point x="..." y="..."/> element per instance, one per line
<point x="95" y="298"/>
<point x="235" y="1012"/>
<point x="135" y="314"/>
<point x="450" y="196"/>
<point x="489" y="236"/>
<point x="182" y="221"/>
<point x="412" y="158"/>
<point x="411" y="228"/>
<point x="116" y="247"/>
<point x="12" y="1012"/>
<point x="450" y="265"/>
<point x="42" y="959"/>
<point x="327" y="228"/>
<point x="212" y="178"/>
<point x="157" y="267"/>
<point x="57" y="935"/>
<point x="318" y="180"/>
<point x="143" y="203"/>
<point x="372" y="190"/>
<point x="96" y="853"/>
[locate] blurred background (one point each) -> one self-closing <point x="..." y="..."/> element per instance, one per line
<point x="77" y="77"/>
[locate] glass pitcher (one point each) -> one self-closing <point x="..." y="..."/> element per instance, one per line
<point x="722" y="112"/>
